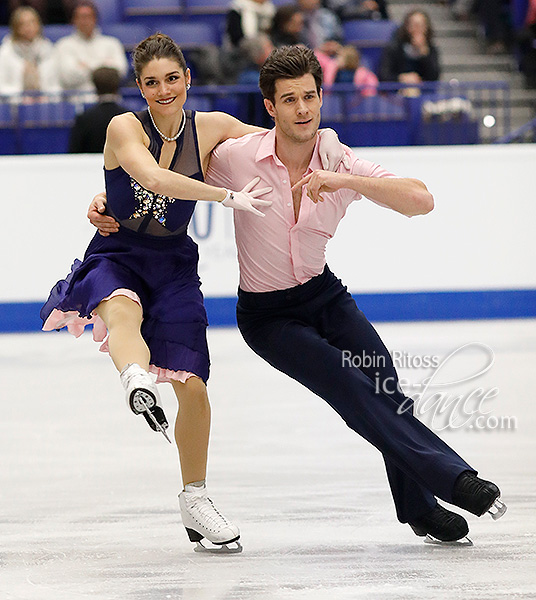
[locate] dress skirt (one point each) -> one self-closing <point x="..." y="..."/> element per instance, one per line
<point x="161" y="275"/>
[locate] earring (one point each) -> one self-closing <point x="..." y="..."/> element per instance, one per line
<point x="187" y="86"/>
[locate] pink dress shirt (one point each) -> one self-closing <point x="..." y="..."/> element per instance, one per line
<point x="277" y="252"/>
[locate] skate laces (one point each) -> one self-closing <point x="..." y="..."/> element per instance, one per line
<point x="204" y="506"/>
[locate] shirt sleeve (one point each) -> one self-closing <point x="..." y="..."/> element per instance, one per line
<point x="364" y="168"/>
<point x="218" y="172"/>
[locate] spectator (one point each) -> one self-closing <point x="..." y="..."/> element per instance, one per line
<point x="412" y="56"/>
<point x="320" y="24"/>
<point x="495" y="17"/>
<point x="248" y="18"/>
<point x="526" y="39"/>
<point x="89" y="130"/>
<point x="50" y="11"/>
<point x="256" y="50"/>
<point x="343" y="66"/>
<point x="347" y="10"/>
<point x="80" y="53"/>
<point x="287" y="26"/>
<point x="26" y="58"/>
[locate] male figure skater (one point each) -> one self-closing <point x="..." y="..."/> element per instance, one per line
<point x="293" y="311"/>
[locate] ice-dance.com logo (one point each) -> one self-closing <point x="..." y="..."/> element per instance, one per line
<point x="447" y="397"/>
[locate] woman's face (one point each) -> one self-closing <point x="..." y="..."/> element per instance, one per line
<point x="163" y="83"/>
<point x="28" y="27"/>
<point x="417" y="24"/>
<point x="294" y="25"/>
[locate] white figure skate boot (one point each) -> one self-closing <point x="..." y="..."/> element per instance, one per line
<point x="143" y="397"/>
<point x="202" y="520"/>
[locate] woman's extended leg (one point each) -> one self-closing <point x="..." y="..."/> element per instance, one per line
<point x="130" y="354"/>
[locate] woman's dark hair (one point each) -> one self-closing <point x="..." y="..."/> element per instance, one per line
<point x="288" y="62"/>
<point x="403" y="34"/>
<point x="155" y="46"/>
<point x="282" y="16"/>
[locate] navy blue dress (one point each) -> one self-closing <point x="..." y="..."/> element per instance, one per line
<point x="151" y="259"/>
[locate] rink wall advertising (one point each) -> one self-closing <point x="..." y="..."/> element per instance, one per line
<point x="472" y="257"/>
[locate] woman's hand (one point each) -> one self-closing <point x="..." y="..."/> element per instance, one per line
<point x="332" y="152"/>
<point x="247" y="198"/>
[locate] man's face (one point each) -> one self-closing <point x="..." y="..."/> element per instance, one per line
<point x="296" y="108"/>
<point x="85" y="20"/>
<point x="308" y="5"/>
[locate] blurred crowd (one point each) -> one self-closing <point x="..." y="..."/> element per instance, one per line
<point x="88" y="62"/>
<point x="29" y="61"/>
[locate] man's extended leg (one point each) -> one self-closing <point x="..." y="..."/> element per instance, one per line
<point x="282" y="336"/>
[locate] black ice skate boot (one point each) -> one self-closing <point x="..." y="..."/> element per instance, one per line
<point x="477" y="496"/>
<point x="442" y="526"/>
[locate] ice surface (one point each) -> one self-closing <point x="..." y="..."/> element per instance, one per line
<point x="88" y="494"/>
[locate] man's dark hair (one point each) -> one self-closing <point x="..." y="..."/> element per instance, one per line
<point x="106" y="80"/>
<point x="87" y="3"/>
<point x="288" y="62"/>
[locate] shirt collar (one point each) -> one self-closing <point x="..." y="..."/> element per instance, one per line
<point x="267" y="148"/>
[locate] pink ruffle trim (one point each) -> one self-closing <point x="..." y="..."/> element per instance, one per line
<point x="76" y="324"/>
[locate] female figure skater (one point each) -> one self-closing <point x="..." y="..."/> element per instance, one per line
<point x="141" y="284"/>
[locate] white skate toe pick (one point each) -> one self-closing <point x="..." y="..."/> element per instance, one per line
<point x="203" y="521"/>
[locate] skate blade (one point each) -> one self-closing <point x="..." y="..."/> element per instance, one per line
<point x="155" y="422"/>
<point x="497" y="509"/>
<point x="229" y="548"/>
<point x="465" y="541"/>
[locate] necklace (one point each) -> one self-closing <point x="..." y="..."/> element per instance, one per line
<point x="165" y="137"/>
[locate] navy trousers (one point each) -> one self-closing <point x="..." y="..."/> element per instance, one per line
<point x="303" y="332"/>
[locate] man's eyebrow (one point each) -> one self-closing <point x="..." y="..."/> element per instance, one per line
<point x="293" y="93"/>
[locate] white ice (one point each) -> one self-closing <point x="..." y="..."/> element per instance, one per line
<point x="88" y="494"/>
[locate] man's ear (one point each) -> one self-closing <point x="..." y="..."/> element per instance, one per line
<point x="321" y="96"/>
<point x="269" y="107"/>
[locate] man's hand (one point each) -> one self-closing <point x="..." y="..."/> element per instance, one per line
<point x="103" y="223"/>
<point x="332" y="152"/>
<point x="321" y="181"/>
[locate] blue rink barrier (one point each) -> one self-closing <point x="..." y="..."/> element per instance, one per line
<point x="19" y="317"/>
<point x="443" y="113"/>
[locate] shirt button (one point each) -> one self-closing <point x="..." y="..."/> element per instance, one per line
<point x="284" y="181"/>
<point x="289" y="204"/>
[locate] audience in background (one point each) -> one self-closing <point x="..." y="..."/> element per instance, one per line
<point x="495" y="18"/>
<point x="89" y="130"/>
<point x="256" y="50"/>
<point x="341" y="64"/>
<point x="287" y="26"/>
<point x="50" y="11"/>
<point x="358" y="9"/>
<point x="411" y="57"/>
<point x="80" y="53"/>
<point x="526" y="39"/>
<point x="247" y="19"/>
<point x="26" y="58"/>
<point x="319" y="24"/>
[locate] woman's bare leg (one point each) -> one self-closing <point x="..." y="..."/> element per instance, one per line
<point x="123" y="317"/>
<point x="192" y="428"/>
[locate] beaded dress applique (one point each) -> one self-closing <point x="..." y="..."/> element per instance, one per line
<point x="150" y="203"/>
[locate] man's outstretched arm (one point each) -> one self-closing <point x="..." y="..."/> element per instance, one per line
<point x="407" y="196"/>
